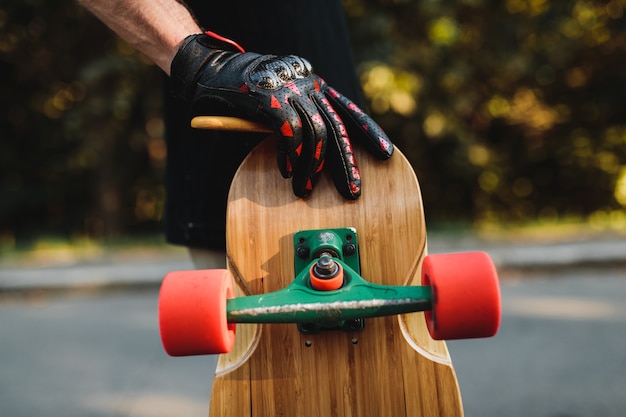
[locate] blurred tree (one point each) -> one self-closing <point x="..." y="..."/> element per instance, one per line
<point x="82" y="150"/>
<point x="510" y="111"/>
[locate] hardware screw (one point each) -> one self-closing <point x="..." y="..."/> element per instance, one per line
<point x="302" y="252"/>
<point x="349" y="249"/>
<point x="354" y="324"/>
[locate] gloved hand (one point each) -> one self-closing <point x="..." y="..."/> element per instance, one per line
<point x="306" y="114"/>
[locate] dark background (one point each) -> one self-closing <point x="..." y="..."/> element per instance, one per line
<point x="512" y="113"/>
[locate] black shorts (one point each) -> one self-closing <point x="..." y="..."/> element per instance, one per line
<point x="201" y="164"/>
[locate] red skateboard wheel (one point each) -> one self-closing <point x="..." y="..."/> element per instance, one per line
<point x="192" y="312"/>
<point x="466" y="295"/>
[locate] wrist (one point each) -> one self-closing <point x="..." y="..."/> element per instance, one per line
<point x="192" y="54"/>
<point x="171" y="46"/>
<point x="181" y="72"/>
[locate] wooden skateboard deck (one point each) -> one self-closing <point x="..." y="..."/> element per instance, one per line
<point x="392" y="367"/>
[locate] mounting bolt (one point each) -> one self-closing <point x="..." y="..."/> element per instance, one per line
<point x="354" y="324"/>
<point x="349" y="249"/>
<point x="302" y="252"/>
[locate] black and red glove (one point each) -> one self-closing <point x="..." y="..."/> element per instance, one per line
<point x="313" y="122"/>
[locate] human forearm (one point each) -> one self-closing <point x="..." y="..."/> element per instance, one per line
<point x="154" y="27"/>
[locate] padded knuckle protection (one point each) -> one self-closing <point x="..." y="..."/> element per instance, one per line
<point x="272" y="72"/>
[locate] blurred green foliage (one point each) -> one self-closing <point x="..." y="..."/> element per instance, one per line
<point x="82" y="152"/>
<point x="511" y="112"/>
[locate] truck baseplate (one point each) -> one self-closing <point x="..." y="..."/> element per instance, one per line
<point x="320" y="255"/>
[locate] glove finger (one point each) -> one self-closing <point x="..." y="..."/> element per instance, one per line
<point x="288" y="129"/>
<point x="339" y="156"/>
<point x="312" y="151"/>
<point x="360" y="124"/>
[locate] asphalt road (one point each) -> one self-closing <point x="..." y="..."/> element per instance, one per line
<point x="561" y="352"/>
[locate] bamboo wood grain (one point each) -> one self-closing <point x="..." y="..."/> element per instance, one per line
<point x="394" y="369"/>
<point x="228" y="123"/>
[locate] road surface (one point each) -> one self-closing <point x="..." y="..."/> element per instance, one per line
<point x="561" y="352"/>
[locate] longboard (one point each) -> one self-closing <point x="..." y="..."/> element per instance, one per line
<point x="386" y="366"/>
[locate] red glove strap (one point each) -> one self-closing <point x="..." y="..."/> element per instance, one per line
<point x="226" y="40"/>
